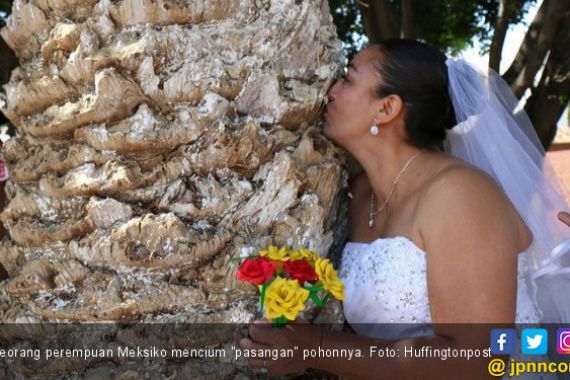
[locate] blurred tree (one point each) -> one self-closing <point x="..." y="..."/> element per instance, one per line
<point x="453" y="25"/>
<point x="449" y="25"/>
<point x="5" y="8"/>
<point x="7" y="59"/>
<point x="8" y="62"/>
<point x="545" y="47"/>
<point x="348" y="21"/>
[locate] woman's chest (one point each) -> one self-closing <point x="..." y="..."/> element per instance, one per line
<point x="399" y="219"/>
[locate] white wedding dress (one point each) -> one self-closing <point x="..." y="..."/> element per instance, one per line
<point x="386" y="291"/>
<point x="386" y="283"/>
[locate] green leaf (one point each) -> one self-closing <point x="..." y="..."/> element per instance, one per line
<point x="316" y="299"/>
<point x="278" y="322"/>
<point x="315" y="288"/>
<point x="262" y="297"/>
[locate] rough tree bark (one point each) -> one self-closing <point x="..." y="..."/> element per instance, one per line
<point x="157" y="140"/>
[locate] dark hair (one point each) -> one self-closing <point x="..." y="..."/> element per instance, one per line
<point x="418" y="74"/>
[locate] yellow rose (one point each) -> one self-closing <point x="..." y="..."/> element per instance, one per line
<point x="284" y="297"/>
<point x="329" y="278"/>
<point x="274" y="253"/>
<point x="304" y="254"/>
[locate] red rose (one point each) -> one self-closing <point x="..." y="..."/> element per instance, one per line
<point x="257" y="271"/>
<point x="300" y="270"/>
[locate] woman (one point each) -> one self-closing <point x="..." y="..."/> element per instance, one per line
<point x="432" y="238"/>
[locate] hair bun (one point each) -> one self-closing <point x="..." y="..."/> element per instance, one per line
<point x="418" y="74"/>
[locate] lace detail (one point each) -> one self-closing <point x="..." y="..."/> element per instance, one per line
<point x="385" y="282"/>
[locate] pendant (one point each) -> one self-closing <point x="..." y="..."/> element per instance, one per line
<point x="371" y="223"/>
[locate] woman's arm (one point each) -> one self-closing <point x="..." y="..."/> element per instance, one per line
<point x="472" y="235"/>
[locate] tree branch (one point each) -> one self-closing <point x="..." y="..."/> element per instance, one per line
<point x="407" y="19"/>
<point x="549" y="99"/>
<point x="379" y="20"/>
<point x="499" y="35"/>
<point x="536" y="44"/>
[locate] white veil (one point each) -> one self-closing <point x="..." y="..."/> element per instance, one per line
<point x="493" y="136"/>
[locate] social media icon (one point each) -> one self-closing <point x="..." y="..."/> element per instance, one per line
<point x="503" y="341"/>
<point x="534" y="341"/>
<point x="563" y="341"/>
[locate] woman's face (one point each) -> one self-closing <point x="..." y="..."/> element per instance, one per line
<point x="352" y="102"/>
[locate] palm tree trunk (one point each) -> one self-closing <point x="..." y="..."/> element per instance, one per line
<point x="157" y="141"/>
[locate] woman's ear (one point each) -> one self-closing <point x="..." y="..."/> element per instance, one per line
<point x="389" y="109"/>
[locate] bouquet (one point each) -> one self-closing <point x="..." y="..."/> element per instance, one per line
<point x="287" y="279"/>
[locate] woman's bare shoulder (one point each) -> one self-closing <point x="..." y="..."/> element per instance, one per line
<point x="455" y="175"/>
<point x="463" y="191"/>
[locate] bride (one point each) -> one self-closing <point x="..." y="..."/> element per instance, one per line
<point x="434" y="237"/>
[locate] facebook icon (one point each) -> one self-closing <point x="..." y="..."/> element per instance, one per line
<point x="503" y="342"/>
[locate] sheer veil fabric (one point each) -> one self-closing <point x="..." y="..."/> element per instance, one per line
<point x="495" y="136"/>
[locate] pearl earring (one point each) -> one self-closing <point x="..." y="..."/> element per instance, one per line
<point x="374" y="129"/>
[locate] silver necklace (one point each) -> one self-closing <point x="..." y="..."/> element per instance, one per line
<point x="372" y="215"/>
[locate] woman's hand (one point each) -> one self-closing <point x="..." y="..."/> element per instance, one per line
<point x="564" y="218"/>
<point x="297" y="335"/>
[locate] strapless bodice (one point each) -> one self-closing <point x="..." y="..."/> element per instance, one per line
<point x="386" y="282"/>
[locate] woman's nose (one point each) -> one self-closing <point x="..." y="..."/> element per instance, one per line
<point x="331" y="93"/>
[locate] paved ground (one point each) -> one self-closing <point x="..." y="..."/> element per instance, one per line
<point x="560" y="160"/>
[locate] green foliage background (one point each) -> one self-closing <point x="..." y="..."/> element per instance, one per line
<point x="5" y="8"/>
<point x="449" y="25"/>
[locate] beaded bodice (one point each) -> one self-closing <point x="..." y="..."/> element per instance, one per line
<point x="386" y="282"/>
